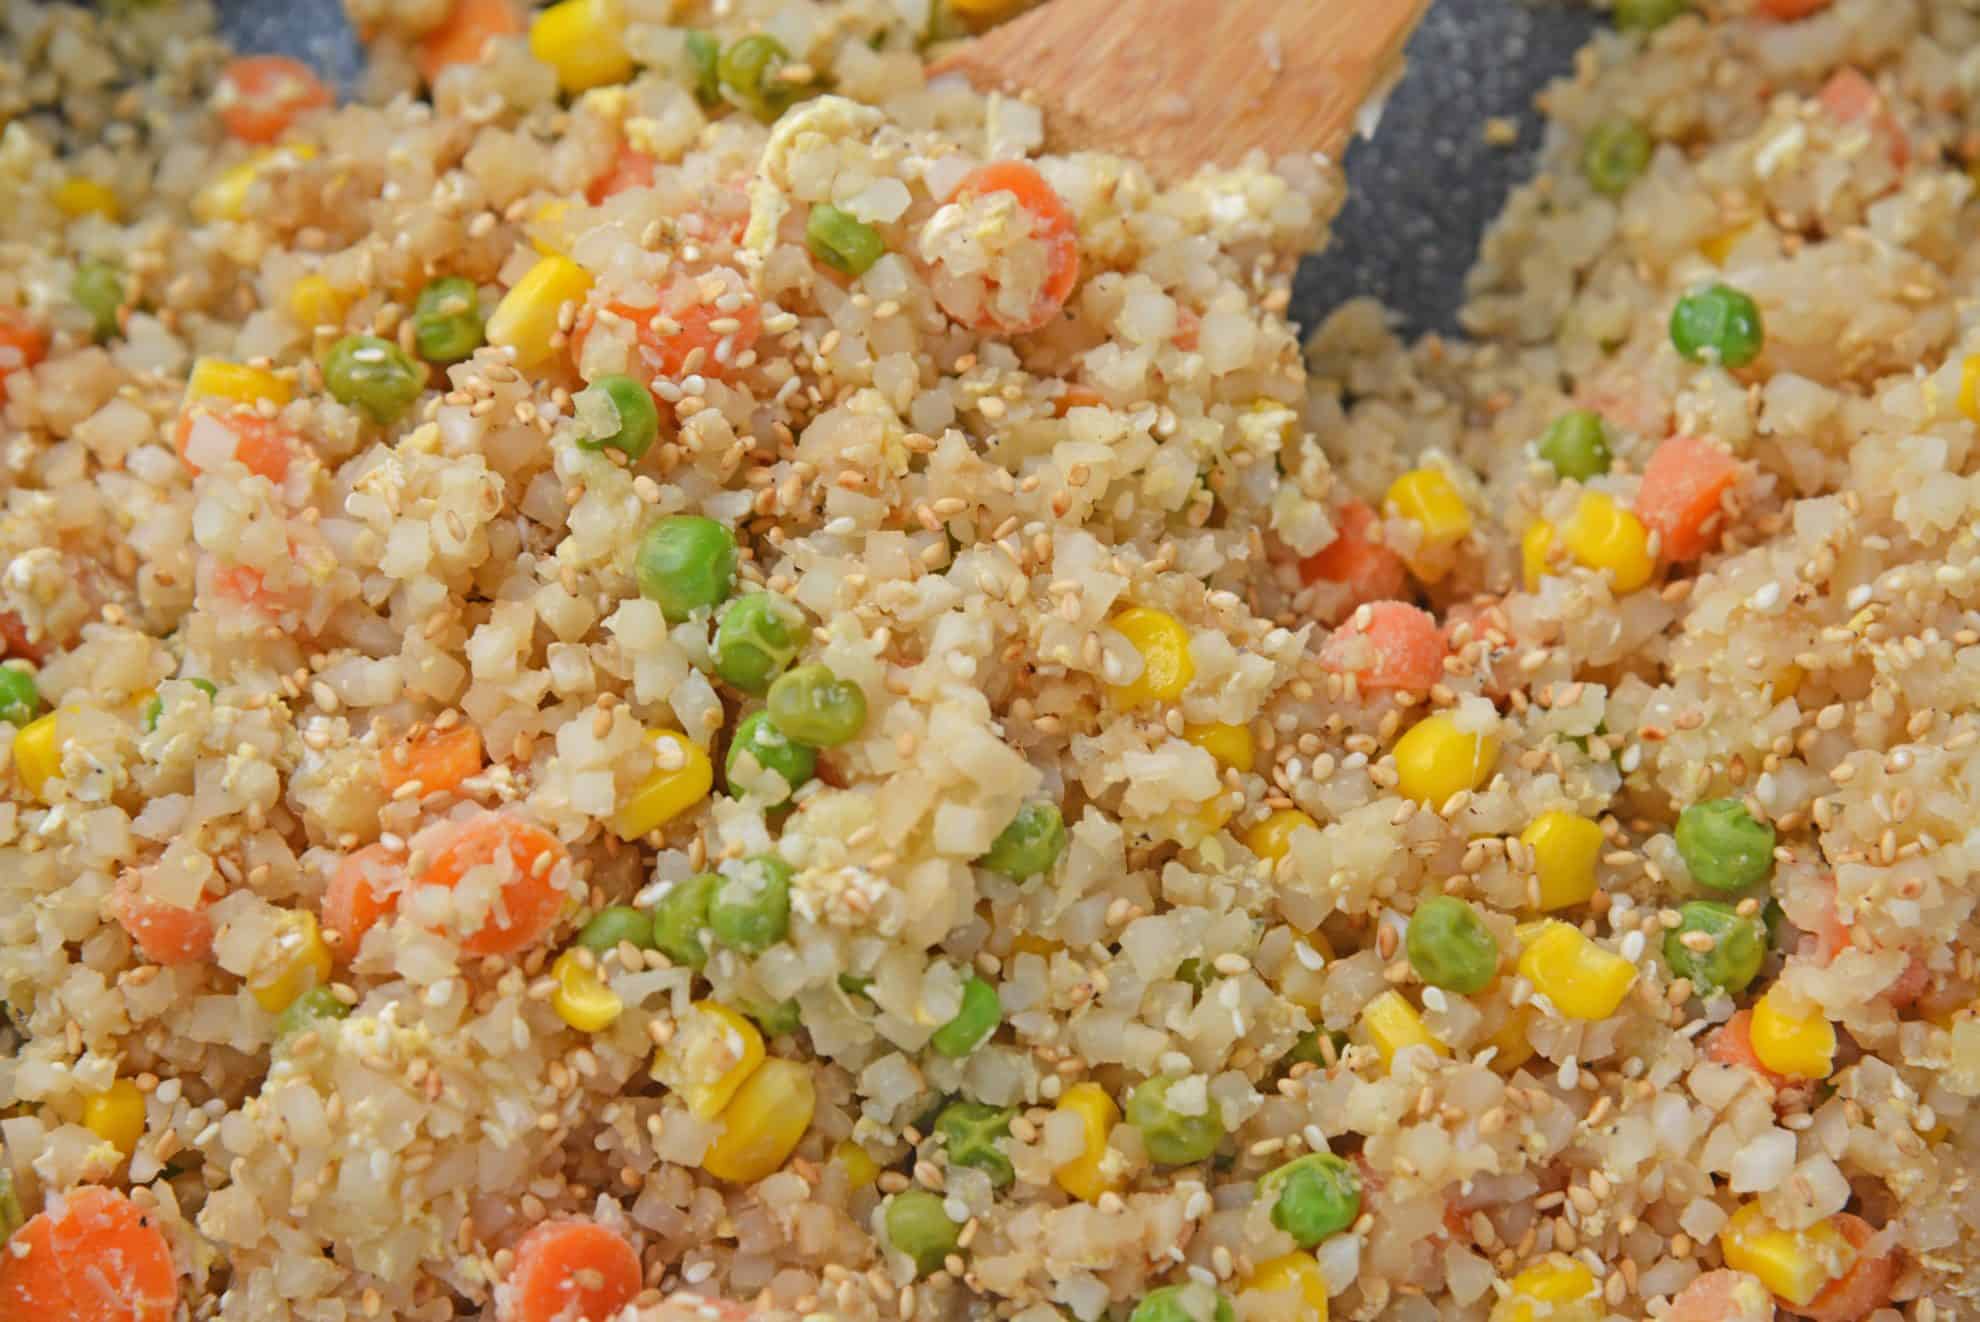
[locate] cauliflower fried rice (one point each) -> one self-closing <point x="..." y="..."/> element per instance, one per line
<point x="660" y="670"/>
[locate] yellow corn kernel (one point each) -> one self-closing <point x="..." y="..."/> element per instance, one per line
<point x="1271" y="839"/>
<point x="582" y="999"/>
<point x="216" y="378"/>
<point x="1534" y="544"/>
<point x="1230" y="744"/>
<point x="1800" y="1044"/>
<point x="1565" y="848"/>
<point x="1604" y="536"/>
<point x="546" y="227"/>
<point x="713" y="1052"/>
<point x="583" y="41"/>
<point x="77" y="196"/>
<point x="1092" y="1172"/>
<point x="314" y="301"/>
<point x="1969" y="388"/>
<point x="1513" y="1040"/>
<point x="668" y="791"/>
<point x="1299" y="1273"/>
<point x="1391" y="1023"/>
<point x="1720" y="246"/>
<point x="38" y="752"/>
<point x="1166" y="665"/>
<point x="116" y="1115"/>
<point x="226" y="198"/>
<point x="1030" y="943"/>
<point x="301" y="960"/>
<point x="1583" y="980"/>
<point x="1435" y="760"/>
<point x="1428" y="498"/>
<point x="1557" y="1290"/>
<point x="861" y="1170"/>
<point x="762" y="1126"/>
<point x="1794" y="1264"/>
<point x="526" y="318"/>
<point x="1787" y="682"/>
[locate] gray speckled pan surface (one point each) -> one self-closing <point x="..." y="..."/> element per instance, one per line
<point x="1422" y="191"/>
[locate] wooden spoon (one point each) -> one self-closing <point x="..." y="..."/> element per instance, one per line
<point x="1180" y="84"/>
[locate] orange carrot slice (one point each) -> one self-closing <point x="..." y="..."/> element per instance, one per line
<point x="1787" y="11"/>
<point x="438" y="760"/>
<point x="1733" y="1045"/>
<point x="1723" y="1296"/>
<point x="259" y="96"/>
<point x="570" y="1270"/>
<point x="1077" y="397"/>
<point x="1682" y="486"/>
<point x="1850" y="96"/>
<point x="528" y="857"/>
<point x="93" y="1256"/>
<point x="363" y="889"/>
<point x="1369" y="570"/>
<point x="1860" y="1291"/>
<point x="22" y="345"/>
<point x="14" y="640"/>
<point x="1388" y="645"/>
<point x="463" y="36"/>
<point x="1051" y="224"/>
<point x="693" y="347"/>
<point x="263" y="445"/>
<point x="163" y="933"/>
<point x="630" y="168"/>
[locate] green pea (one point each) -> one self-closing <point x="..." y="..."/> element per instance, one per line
<point x="1577" y="445"/>
<point x="1190" y="1302"/>
<point x="686" y="563"/>
<point x="1173" y="1139"/>
<point x="1198" y="973"/>
<point x="1648" y="15"/>
<point x="98" y="289"/>
<point x="918" y="1225"/>
<point x="842" y="241"/>
<point x="374" y="376"/>
<point x="679" y="917"/>
<point x="854" y="984"/>
<point x="1718" y="324"/>
<point x="755" y="639"/>
<point x="1739" y="946"/>
<point x="20" y="696"/>
<point x="775" y="1018"/>
<point x="447" y="324"/>
<point x="1450" y="947"/>
<point x="704" y="57"/>
<point x="970" y="1131"/>
<point x="813" y="705"/>
<point x="751" y="909"/>
<point x="1314" y="1197"/>
<point x="309" y="1009"/>
<point x="1030" y="845"/>
<point x="1724" y="847"/>
<point x="1309" y="1051"/>
<point x="1776" y="921"/>
<point x="156" y="707"/>
<point x="618" y="925"/>
<point x="636" y="422"/>
<point x="1615" y="156"/>
<point x="750" y="73"/>
<point x="978" y="1018"/>
<point x="759" y="749"/>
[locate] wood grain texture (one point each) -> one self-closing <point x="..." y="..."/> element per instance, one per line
<point x="1185" y="83"/>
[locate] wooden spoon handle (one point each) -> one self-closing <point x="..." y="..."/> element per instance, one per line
<point x="1185" y="83"/>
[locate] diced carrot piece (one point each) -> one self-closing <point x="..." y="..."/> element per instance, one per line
<point x="463" y="36"/>
<point x="1051" y="224"/>
<point x="22" y="345"/>
<point x="1388" y="645"/>
<point x="438" y="760"/>
<point x="362" y="890"/>
<point x="1188" y="327"/>
<point x="263" y="445"/>
<point x="1723" y="1296"/>
<point x="1077" y="397"/>
<point x="1860" y="1291"/>
<point x="246" y="587"/>
<point x="93" y="1256"/>
<point x="1850" y="96"/>
<point x="1682" y="486"/>
<point x="530" y="901"/>
<point x="1733" y="1045"/>
<point x="163" y="933"/>
<point x="571" y="1270"/>
<point x="1369" y="570"/>
<point x="259" y="96"/>
<point x="696" y="347"/>
<point x="630" y="168"/>
<point x="1786" y="11"/>
<point x="14" y="640"/>
<point x="1910" y="985"/>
